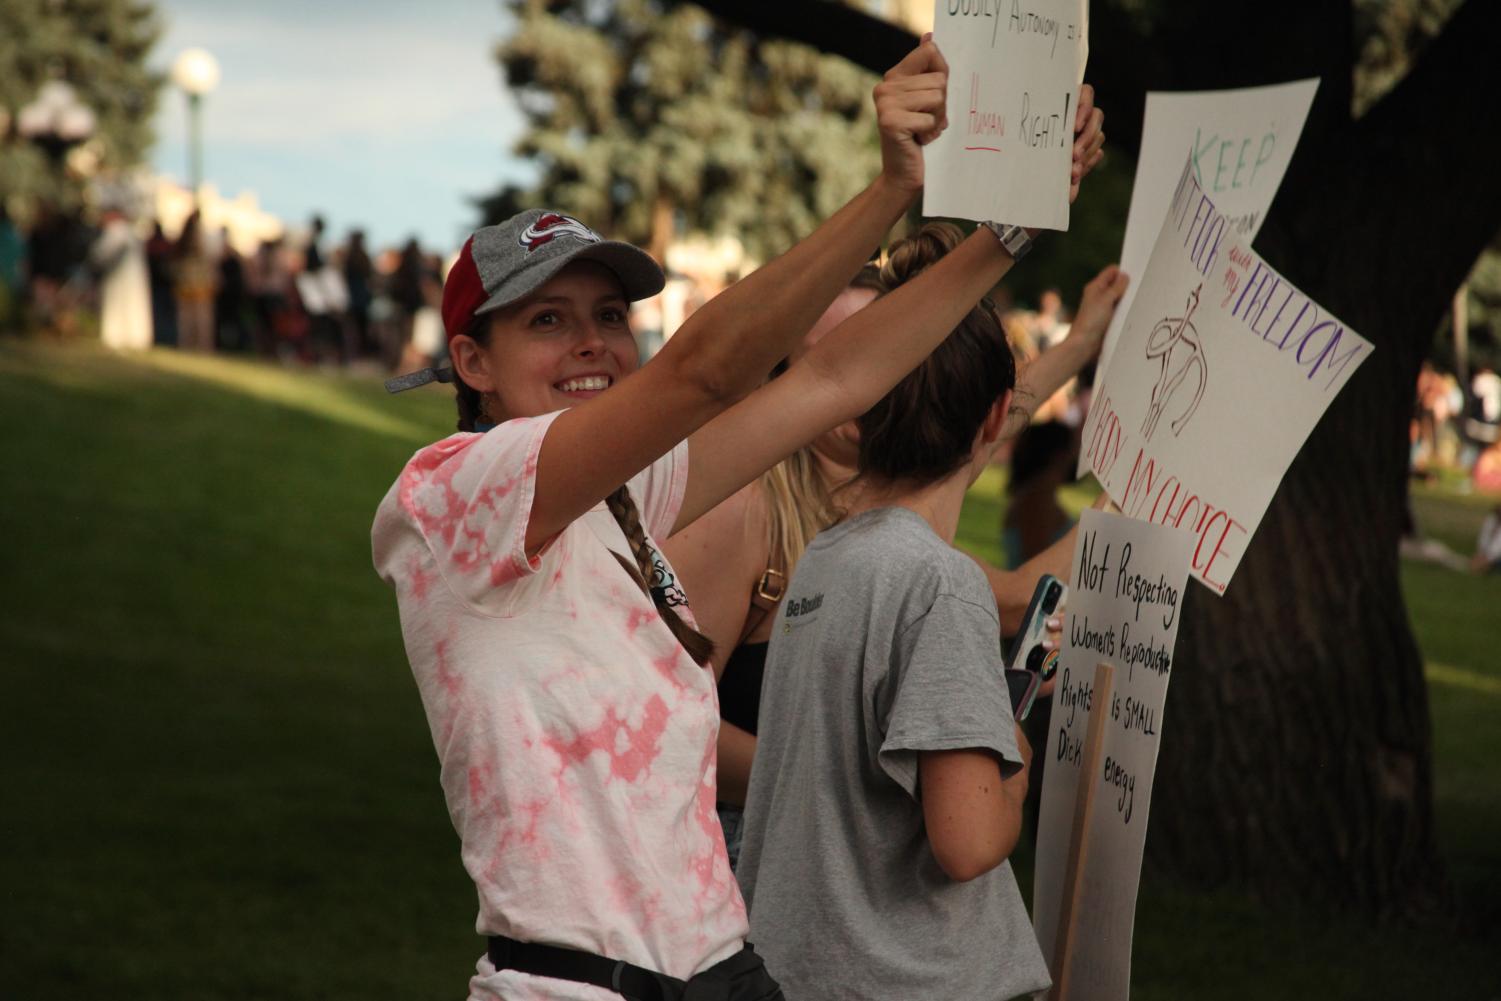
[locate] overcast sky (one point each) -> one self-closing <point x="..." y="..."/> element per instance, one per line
<point x="384" y="114"/>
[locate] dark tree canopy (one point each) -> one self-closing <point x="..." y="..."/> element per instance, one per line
<point x="1394" y="34"/>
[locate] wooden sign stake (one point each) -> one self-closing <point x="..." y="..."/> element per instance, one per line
<point x="1078" y="842"/>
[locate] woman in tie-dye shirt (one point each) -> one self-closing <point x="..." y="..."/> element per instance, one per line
<point x="554" y="652"/>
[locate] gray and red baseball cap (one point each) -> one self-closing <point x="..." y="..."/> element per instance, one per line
<point x="502" y="264"/>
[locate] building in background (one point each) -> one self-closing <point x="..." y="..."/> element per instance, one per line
<point x="914" y="15"/>
<point x="698" y="268"/>
<point x="242" y="216"/>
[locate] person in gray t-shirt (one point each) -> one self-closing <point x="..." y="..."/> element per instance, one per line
<point x="887" y="787"/>
<point x="888" y="647"/>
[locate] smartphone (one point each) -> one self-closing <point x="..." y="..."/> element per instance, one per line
<point x="1027" y="653"/>
<point x="1023" y="686"/>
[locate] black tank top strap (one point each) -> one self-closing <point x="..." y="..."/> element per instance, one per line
<point x="740" y="686"/>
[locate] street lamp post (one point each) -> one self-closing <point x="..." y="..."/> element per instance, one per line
<point x="197" y="73"/>
<point x="56" y="120"/>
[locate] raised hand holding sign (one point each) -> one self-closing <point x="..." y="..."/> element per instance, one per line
<point x="911" y="113"/>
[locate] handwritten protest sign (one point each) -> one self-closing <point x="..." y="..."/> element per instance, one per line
<point x="1128" y="582"/>
<point x="1222" y="370"/>
<point x="1014" y="74"/>
<point x="1241" y="142"/>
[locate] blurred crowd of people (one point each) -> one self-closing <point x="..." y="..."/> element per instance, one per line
<point x="1031" y="333"/>
<point x="296" y="300"/>
<point x="1455" y="427"/>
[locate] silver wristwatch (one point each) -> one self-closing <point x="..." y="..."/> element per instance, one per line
<point x="1013" y="238"/>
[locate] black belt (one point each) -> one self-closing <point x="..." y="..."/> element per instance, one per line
<point x="635" y="983"/>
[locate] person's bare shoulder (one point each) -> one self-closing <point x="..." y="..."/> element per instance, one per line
<point x="740" y="520"/>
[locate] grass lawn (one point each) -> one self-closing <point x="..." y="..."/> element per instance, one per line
<point x="217" y="782"/>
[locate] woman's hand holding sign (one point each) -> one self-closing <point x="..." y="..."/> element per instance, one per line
<point x="1096" y="308"/>
<point x="911" y="112"/>
<point x="1089" y="140"/>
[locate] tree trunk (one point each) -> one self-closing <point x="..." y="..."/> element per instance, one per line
<point x="1297" y="754"/>
<point x="1459" y="323"/>
<point x="663" y="228"/>
<point x="1298" y="757"/>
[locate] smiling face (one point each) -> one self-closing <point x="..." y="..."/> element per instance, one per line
<point x="565" y="343"/>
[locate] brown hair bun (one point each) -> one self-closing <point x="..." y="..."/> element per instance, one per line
<point x="925" y="427"/>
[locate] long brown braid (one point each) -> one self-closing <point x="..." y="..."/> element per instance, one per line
<point x="645" y="573"/>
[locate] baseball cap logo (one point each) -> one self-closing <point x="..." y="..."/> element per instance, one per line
<point x="552" y="225"/>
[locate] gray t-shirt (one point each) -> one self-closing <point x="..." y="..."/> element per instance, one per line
<point x="887" y="644"/>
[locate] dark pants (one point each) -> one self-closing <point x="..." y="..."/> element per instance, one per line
<point x="163" y="316"/>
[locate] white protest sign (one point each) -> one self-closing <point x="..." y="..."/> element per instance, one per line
<point x="1014" y="75"/>
<point x="1127" y="589"/>
<point x="1241" y="142"/>
<point x="1222" y="370"/>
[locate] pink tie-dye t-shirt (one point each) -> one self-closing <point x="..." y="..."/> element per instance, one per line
<point x="576" y="736"/>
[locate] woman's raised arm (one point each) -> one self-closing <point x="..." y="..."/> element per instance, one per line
<point x="849" y="370"/>
<point x="1053" y="368"/>
<point x="729" y="345"/>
